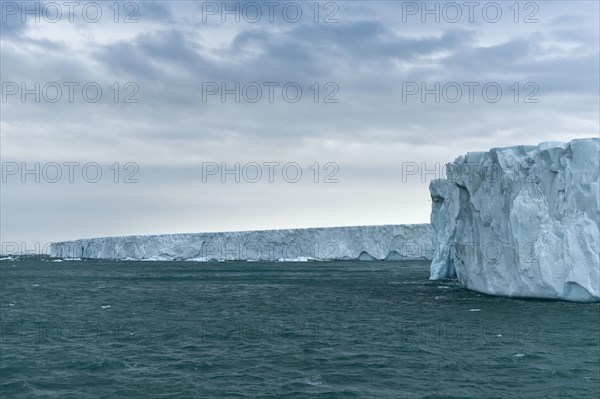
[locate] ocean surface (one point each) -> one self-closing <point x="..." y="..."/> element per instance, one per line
<point x="100" y="329"/>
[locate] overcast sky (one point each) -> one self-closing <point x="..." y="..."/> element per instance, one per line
<point x="161" y="122"/>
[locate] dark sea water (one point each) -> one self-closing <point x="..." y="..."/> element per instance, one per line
<point x="96" y="329"/>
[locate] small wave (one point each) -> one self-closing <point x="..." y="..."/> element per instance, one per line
<point x="8" y="258"/>
<point x="35" y="285"/>
<point x="474" y="310"/>
<point x="519" y="355"/>
<point x="315" y="380"/>
<point x="105" y="306"/>
<point x="57" y="260"/>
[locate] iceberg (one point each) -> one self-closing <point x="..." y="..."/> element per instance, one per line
<point x="521" y="221"/>
<point x="384" y="242"/>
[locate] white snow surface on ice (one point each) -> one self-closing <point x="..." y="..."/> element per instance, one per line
<point x="521" y="221"/>
<point x="384" y="242"/>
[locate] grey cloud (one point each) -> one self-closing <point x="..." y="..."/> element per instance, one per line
<point x="368" y="54"/>
<point x="153" y="11"/>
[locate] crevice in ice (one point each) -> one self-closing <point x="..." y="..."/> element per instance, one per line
<point x="394" y="256"/>
<point x="575" y="292"/>
<point x="364" y="255"/>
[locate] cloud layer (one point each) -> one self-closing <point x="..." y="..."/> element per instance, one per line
<point x="357" y="66"/>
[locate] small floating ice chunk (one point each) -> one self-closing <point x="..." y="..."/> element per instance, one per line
<point x="199" y="259"/>
<point x="298" y="259"/>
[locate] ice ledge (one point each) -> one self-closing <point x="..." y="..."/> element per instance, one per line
<point x="521" y="221"/>
<point x="384" y="242"/>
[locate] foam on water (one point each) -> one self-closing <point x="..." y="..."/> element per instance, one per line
<point x="316" y="380"/>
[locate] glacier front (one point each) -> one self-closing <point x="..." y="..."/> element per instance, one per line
<point x="384" y="242"/>
<point x="521" y="221"/>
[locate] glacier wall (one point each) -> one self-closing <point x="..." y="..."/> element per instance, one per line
<point x="521" y="221"/>
<point x="386" y="242"/>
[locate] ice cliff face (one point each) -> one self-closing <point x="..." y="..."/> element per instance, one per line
<point x="387" y="242"/>
<point x="521" y="221"/>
